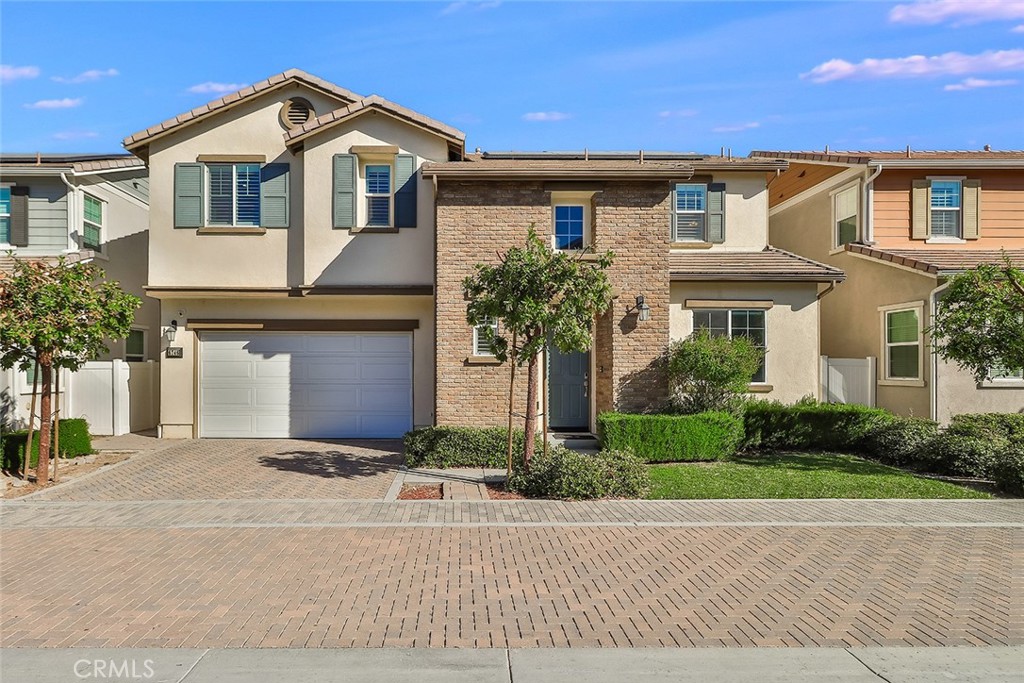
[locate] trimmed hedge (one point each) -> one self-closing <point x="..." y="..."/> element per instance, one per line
<point x="989" y="425"/>
<point x="672" y="438"/>
<point x="444" y="447"/>
<point x="901" y="441"/>
<point x="1008" y="470"/>
<point x="570" y="475"/>
<point x="74" y="441"/>
<point x="960" y="455"/>
<point x="809" y="425"/>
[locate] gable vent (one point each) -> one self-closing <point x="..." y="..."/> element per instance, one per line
<point x="296" y="112"/>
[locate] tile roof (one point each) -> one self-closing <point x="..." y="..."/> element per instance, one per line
<point x="937" y="261"/>
<point x="771" y="264"/>
<point x="333" y="118"/>
<point x="80" y="163"/>
<point x="277" y="80"/>
<point x="112" y="164"/>
<point x="867" y="156"/>
<point x="553" y="164"/>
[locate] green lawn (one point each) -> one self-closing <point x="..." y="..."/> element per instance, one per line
<point x="797" y="475"/>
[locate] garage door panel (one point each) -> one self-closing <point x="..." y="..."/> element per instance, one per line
<point x="271" y="425"/>
<point x="275" y="369"/>
<point x="384" y="370"/>
<point x="280" y="396"/>
<point x="333" y="399"/>
<point x="387" y="343"/>
<point x="384" y="399"/>
<point x="229" y="370"/>
<point x="381" y="426"/>
<point x="332" y="344"/>
<point x="233" y="397"/>
<point x="225" y="425"/>
<point x="321" y="370"/>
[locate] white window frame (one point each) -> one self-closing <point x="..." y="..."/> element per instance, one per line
<point x="884" y="311"/>
<point x="946" y="239"/>
<point x="234" y="195"/>
<point x="476" y="340"/>
<point x="728" y="328"/>
<point x="690" y="212"/>
<point x="102" y="226"/>
<point x="367" y="194"/>
<point x="834" y="200"/>
<point x="584" y="205"/>
<point x="7" y="246"/>
<point x="145" y="339"/>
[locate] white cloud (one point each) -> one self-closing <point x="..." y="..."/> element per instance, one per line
<point x="216" y="88"/>
<point x="63" y="103"/>
<point x="88" y="76"/>
<point x="546" y="116"/>
<point x="960" y="12"/>
<point x="75" y="135"/>
<point x="676" y="113"/>
<point x="950" y="63"/>
<point x="453" y="7"/>
<point x="973" y="83"/>
<point x="736" y="128"/>
<point x="1017" y="29"/>
<point x="10" y="73"/>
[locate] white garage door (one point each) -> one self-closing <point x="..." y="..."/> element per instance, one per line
<point x="305" y="385"/>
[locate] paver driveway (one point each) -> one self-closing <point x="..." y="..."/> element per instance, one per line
<point x="213" y="469"/>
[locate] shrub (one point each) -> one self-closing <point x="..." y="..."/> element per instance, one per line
<point x="671" y="438"/>
<point x="707" y="372"/>
<point x="443" y="447"/>
<point x="959" y="455"/>
<point x="900" y="442"/>
<point x="568" y="474"/>
<point x="810" y="425"/>
<point x="989" y="425"/>
<point x="1008" y="470"/>
<point x="74" y="441"/>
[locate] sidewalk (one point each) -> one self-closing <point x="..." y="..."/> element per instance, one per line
<point x="836" y="665"/>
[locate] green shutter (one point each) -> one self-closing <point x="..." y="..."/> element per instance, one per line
<point x="920" y="209"/>
<point x="716" y="213"/>
<point x="972" y="209"/>
<point x="188" y="195"/>
<point x="344" y="190"/>
<point x="274" y="195"/>
<point x="19" y="216"/>
<point x="405" y="191"/>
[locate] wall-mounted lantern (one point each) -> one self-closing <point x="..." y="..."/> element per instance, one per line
<point x="643" y="311"/>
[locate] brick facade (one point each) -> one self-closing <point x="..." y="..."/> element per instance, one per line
<point x="477" y="219"/>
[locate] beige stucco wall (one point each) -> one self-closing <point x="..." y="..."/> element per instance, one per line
<point x="792" y="361"/>
<point x="178" y="393"/>
<point x="959" y="393"/>
<point x="746" y="212"/>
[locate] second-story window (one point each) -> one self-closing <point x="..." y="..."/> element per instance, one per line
<point x="234" y="194"/>
<point x="378" y="195"/>
<point x="569" y="226"/>
<point x="691" y="212"/>
<point x="5" y="215"/>
<point x="92" y="223"/>
<point x="945" y="208"/>
<point x="844" y="208"/>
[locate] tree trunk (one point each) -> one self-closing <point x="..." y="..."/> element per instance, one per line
<point x="31" y="420"/>
<point x="56" y="426"/>
<point x="511" y="407"/>
<point x="531" y="413"/>
<point x="45" y="420"/>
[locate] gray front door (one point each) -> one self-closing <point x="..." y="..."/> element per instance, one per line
<point x="568" y="390"/>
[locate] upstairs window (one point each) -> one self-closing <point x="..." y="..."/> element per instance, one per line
<point x="691" y="212"/>
<point x="481" y="338"/>
<point x="5" y="215"/>
<point x="735" y="323"/>
<point x="92" y="223"/>
<point x="569" y="226"/>
<point x="945" y="207"/>
<point x="234" y="191"/>
<point x="378" y="195"/>
<point x="844" y="216"/>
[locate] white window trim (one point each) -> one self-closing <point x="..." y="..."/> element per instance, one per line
<point x="234" y="193"/>
<point x="7" y="246"/>
<point x="102" y="226"/>
<point x="364" y="164"/>
<point x="145" y="339"/>
<point x="585" y="205"/>
<point x="728" y="328"/>
<point x="677" y="213"/>
<point x="946" y="239"/>
<point x="832" y="196"/>
<point x="476" y="341"/>
<point x="885" y="379"/>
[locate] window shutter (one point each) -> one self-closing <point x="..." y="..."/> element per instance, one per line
<point x="344" y="190"/>
<point x="405" y="191"/>
<point x="716" y="213"/>
<point x="19" y="216"/>
<point x="672" y="217"/>
<point x="188" y="195"/>
<point x="972" y="209"/>
<point x="274" y="195"/>
<point x="920" y="209"/>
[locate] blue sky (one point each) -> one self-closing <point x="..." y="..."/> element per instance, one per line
<point x="686" y="76"/>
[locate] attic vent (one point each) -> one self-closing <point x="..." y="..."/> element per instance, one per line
<point x="296" y="112"/>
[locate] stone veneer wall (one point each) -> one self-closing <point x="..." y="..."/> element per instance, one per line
<point x="478" y="219"/>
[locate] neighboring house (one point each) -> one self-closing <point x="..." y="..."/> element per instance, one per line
<point x="900" y="224"/>
<point x="82" y="207"/>
<point x="292" y="250"/>
<point x="690" y="236"/>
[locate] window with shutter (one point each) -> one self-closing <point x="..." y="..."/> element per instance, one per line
<point x="378" y="195"/>
<point x="234" y="195"/>
<point x="5" y="216"/>
<point x="945" y="208"/>
<point x="691" y="205"/>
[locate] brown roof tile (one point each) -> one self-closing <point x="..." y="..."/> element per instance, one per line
<point x="771" y="264"/>
<point x="336" y="116"/>
<point x="938" y="261"/>
<point x="866" y="156"/>
<point x="552" y="164"/>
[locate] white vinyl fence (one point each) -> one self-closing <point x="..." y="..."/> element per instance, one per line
<point x="115" y="397"/>
<point x="848" y="380"/>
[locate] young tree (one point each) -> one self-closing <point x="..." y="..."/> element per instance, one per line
<point x="706" y="372"/>
<point x="979" y="323"/>
<point x="58" y="315"/>
<point x="533" y="294"/>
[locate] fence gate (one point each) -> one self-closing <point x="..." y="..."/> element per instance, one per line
<point x="848" y="380"/>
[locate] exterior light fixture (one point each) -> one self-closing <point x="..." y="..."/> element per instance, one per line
<point x="643" y="311"/>
<point x="171" y="331"/>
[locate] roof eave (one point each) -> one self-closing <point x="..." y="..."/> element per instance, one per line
<point x="754" y="277"/>
<point x="499" y="174"/>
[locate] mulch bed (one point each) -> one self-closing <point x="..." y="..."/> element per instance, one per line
<point x="66" y="471"/>
<point x="420" y="492"/>
<point x="498" y="492"/>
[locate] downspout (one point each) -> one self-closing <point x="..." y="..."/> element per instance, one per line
<point x="933" y="304"/>
<point x="72" y="211"/>
<point x="869" y="205"/>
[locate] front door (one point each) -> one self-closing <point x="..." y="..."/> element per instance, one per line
<point x="568" y="390"/>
